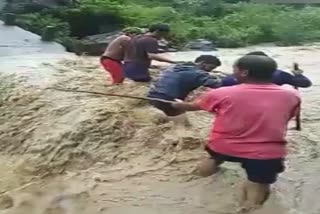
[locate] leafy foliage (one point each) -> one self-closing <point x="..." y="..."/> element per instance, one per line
<point x="229" y="23"/>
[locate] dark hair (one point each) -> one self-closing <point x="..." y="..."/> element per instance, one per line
<point x="260" y="68"/>
<point x="257" y="53"/>
<point x="159" y="27"/>
<point x="208" y="59"/>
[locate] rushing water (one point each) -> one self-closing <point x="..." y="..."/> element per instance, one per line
<point x="299" y="186"/>
<point x="24" y="54"/>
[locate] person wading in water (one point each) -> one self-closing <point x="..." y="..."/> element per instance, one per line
<point x="142" y="50"/>
<point x="111" y="59"/>
<point x="279" y="77"/>
<point x="250" y="126"/>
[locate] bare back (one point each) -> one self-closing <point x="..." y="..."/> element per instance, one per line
<point x="116" y="48"/>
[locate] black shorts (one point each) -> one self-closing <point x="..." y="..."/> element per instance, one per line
<point x="258" y="171"/>
<point x="167" y="108"/>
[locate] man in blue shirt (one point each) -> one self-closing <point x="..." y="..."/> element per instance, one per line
<point x="279" y="77"/>
<point x="178" y="81"/>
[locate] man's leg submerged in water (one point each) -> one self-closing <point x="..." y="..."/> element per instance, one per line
<point x="208" y="165"/>
<point x="114" y="69"/>
<point x="171" y="114"/>
<point x="253" y="195"/>
<point x="261" y="174"/>
<point x="181" y="119"/>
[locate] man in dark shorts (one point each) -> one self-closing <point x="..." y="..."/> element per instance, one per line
<point x="178" y="81"/>
<point x="141" y="51"/>
<point x="250" y="126"/>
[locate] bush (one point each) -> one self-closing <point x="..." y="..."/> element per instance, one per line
<point x="37" y="23"/>
<point x="226" y="24"/>
<point x="139" y="15"/>
<point x="91" y="17"/>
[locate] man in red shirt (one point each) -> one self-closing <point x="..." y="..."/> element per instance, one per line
<point x="250" y="126"/>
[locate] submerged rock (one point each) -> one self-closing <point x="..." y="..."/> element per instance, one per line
<point x="201" y="44"/>
<point x="95" y="45"/>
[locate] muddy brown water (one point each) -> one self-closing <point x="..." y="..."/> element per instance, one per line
<point x="68" y="153"/>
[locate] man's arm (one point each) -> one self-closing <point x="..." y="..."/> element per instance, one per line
<point x="206" y="80"/>
<point x="297" y="80"/>
<point x="186" y="106"/>
<point x="152" y="49"/>
<point x="229" y="81"/>
<point x="159" y="57"/>
<point x="209" y="101"/>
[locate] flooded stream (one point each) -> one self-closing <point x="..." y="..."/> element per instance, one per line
<point x="68" y="153"/>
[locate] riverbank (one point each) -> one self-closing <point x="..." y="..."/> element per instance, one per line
<point x="226" y="24"/>
<point x="118" y="151"/>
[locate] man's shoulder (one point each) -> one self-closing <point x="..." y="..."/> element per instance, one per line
<point x="224" y="91"/>
<point x="124" y="38"/>
<point x="147" y="39"/>
<point x="289" y="91"/>
<point x="230" y="89"/>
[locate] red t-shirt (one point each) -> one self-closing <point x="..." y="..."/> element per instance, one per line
<point x="251" y="120"/>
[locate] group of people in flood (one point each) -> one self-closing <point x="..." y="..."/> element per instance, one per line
<point x="130" y="55"/>
<point x="252" y="109"/>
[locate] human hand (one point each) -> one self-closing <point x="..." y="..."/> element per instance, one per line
<point x="178" y="104"/>
<point x="296" y="70"/>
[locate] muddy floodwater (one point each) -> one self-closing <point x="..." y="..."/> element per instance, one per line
<point x="68" y="153"/>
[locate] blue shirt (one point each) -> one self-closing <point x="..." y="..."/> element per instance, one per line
<point x="178" y="81"/>
<point x="279" y="77"/>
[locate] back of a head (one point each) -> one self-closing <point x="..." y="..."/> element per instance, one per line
<point x="259" y="68"/>
<point x="208" y="59"/>
<point x="160" y="28"/>
<point x="257" y="53"/>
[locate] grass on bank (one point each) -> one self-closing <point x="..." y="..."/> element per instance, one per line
<point x="226" y="24"/>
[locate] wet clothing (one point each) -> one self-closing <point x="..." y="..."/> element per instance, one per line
<point x="117" y="47"/>
<point x="166" y="108"/>
<point x="279" y="77"/>
<point x="179" y="80"/>
<point x="136" y="71"/>
<point x="251" y="119"/>
<point x="258" y="171"/>
<point x="112" y="57"/>
<point x="114" y="68"/>
<point x="136" y="60"/>
<point x="176" y="83"/>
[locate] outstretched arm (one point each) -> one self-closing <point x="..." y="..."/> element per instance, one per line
<point x="229" y="81"/>
<point x="209" y="102"/>
<point x="300" y="81"/>
<point x="296" y="80"/>
<point x="152" y="49"/>
<point x="186" y="106"/>
<point x="160" y="58"/>
<point x="206" y="80"/>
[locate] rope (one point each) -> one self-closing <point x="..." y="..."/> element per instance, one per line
<point x="110" y="94"/>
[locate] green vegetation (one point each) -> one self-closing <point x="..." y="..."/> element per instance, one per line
<point x="229" y="23"/>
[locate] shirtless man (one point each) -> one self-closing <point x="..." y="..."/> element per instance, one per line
<point x="112" y="58"/>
